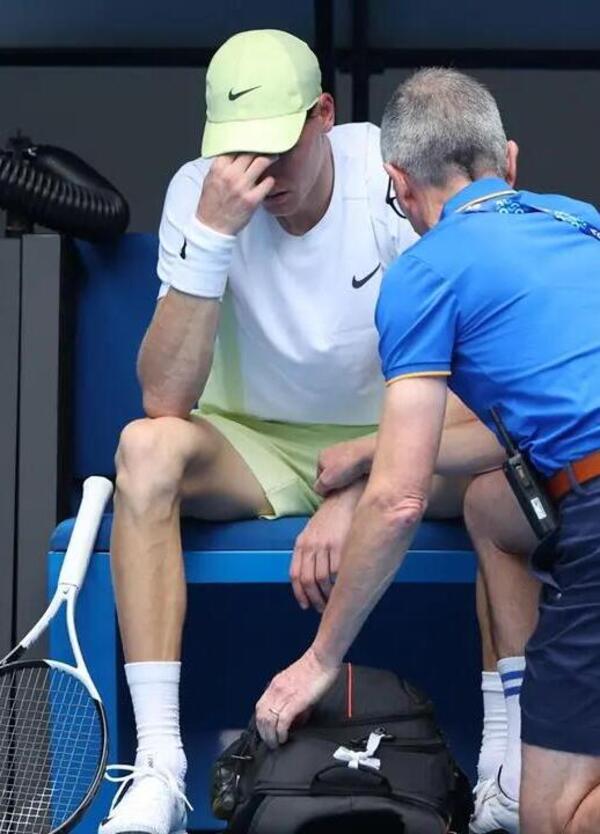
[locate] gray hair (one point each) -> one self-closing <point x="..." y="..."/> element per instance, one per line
<point x="440" y="123"/>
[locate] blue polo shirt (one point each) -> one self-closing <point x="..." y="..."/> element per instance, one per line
<point x="508" y="306"/>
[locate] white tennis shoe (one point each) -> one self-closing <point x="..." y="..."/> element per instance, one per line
<point x="495" y="812"/>
<point x="149" y="800"/>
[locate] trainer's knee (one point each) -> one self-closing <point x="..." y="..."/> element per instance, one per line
<point x="536" y="816"/>
<point x="493" y="516"/>
<point x="586" y="819"/>
<point x="560" y="793"/>
<point x="558" y="820"/>
<point x="581" y="826"/>
<point x="478" y="505"/>
<point x="152" y="458"/>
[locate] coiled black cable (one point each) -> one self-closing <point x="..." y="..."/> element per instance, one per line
<point x="55" y="188"/>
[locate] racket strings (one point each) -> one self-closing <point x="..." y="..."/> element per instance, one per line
<point x="51" y="746"/>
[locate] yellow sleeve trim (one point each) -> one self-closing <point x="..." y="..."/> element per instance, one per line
<point x="417" y="373"/>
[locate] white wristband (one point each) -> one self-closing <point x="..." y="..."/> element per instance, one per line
<point x="203" y="262"/>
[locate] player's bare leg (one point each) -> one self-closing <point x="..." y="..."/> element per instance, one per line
<point x="164" y="465"/>
<point x="160" y="464"/>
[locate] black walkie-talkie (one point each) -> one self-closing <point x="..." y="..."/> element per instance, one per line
<point x="534" y="502"/>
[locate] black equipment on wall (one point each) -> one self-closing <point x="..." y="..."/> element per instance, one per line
<point x="55" y="188"/>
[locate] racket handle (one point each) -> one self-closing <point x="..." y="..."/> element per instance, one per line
<point x="96" y="493"/>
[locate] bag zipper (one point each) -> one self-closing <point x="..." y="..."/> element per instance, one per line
<point x="417" y="745"/>
<point x="418" y="712"/>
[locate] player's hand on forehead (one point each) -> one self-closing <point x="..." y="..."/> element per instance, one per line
<point x="252" y="165"/>
<point x="244" y="162"/>
<point x="244" y="169"/>
<point x="233" y="189"/>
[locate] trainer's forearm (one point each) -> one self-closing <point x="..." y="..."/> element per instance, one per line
<point x="387" y="515"/>
<point x="176" y="355"/>
<point x="376" y="546"/>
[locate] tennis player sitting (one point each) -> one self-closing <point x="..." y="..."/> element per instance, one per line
<point x="272" y="249"/>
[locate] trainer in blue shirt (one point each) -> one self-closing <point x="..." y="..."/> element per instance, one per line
<point x="501" y="300"/>
<point x="506" y="304"/>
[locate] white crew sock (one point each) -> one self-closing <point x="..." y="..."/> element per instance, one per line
<point x="154" y="688"/>
<point x="495" y="731"/>
<point x="511" y="670"/>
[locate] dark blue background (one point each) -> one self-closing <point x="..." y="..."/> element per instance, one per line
<point x="413" y="24"/>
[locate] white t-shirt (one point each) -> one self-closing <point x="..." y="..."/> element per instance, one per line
<point x="297" y="340"/>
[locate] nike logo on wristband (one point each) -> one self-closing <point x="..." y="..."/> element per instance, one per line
<point x="182" y="253"/>
<point x="232" y="96"/>
<point x="357" y="283"/>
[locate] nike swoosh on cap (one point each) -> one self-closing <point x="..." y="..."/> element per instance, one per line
<point x="232" y="96"/>
<point x="357" y="283"/>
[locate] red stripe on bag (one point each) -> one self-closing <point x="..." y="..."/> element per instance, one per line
<point x="349" y="690"/>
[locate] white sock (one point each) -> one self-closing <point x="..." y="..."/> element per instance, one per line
<point x="493" y="742"/>
<point x="511" y="670"/>
<point x="154" y="688"/>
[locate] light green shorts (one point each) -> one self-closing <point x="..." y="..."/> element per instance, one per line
<point x="282" y="456"/>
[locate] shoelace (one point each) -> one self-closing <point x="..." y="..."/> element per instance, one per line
<point x="133" y="771"/>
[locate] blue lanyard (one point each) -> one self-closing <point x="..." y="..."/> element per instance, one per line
<point x="513" y="205"/>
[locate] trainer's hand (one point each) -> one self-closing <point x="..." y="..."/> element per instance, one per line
<point x="343" y="464"/>
<point x="231" y="191"/>
<point x="290" y="694"/>
<point x="318" y="548"/>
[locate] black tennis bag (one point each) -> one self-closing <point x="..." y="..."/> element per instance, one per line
<point x="370" y="759"/>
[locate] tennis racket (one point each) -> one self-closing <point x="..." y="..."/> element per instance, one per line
<point x="53" y="740"/>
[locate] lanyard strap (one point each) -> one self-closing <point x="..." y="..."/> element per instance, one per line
<point x="514" y="205"/>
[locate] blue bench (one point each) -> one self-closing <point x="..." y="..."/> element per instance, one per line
<point x="237" y="573"/>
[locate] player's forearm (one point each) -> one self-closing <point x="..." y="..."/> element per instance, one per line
<point x="468" y="448"/>
<point x="365" y="449"/>
<point x="176" y="355"/>
<point x="376" y="545"/>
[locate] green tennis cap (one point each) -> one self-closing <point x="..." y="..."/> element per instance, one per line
<point x="259" y="86"/>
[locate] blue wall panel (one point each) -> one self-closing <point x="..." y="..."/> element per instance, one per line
<point x="144" y="23"/>
<point x="409" y="24"/>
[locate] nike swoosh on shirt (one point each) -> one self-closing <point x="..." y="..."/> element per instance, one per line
<point x="183" y="248"/>
<point x="357" y="283"/>
<point x="232" y="96"/>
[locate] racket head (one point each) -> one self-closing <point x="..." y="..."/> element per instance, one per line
<point x="53" y="747"/>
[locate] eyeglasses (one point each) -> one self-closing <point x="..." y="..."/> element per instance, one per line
<point x="392" y="200"/>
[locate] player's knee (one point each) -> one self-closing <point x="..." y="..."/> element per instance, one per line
<point x="149" y="461"/>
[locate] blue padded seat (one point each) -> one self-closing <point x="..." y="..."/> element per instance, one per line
<point x="258" y="551"/>
<point x="260" y="534"/>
